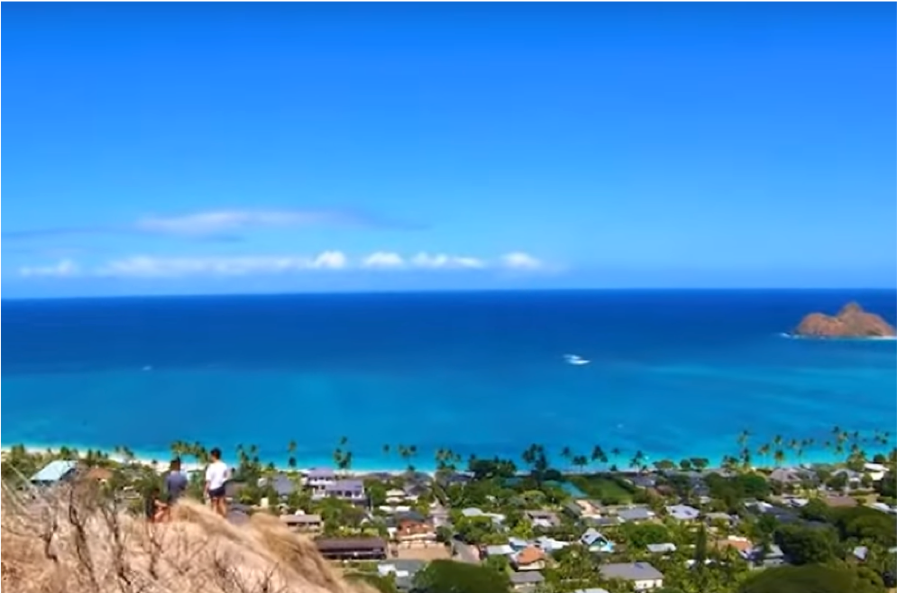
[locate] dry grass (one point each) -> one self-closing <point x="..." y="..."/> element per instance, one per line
<point x="74" y="540"/>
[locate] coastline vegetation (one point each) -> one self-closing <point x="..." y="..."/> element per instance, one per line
<point x="818" y="517"/>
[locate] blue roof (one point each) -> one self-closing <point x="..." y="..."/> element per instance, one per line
<point x="54" y="471"/>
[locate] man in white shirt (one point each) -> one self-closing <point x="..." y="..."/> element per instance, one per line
<point x="216" y="477"/>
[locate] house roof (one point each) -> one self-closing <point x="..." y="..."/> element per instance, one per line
<point x="591" y="536"/>
<point x="740" y="544"/>
<point x="283" y="485"/>
<point x="635" y="514"/>
<point x="502" y="550"/>
<point x="320" y="472"/>
<point x="530" y="577"/>
<point x="630" y="571"/>
<point x="338" y="544"/>
<point x="345" y="485"/>
<point x="529" y="555"/>
<point x="300" y="519"/>
<point x="410" y="566"/>
<point x="683" y="511"/>
<point x="661" y="548"/>
<point x="54" y="471"/>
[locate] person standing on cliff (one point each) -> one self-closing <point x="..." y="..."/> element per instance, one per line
<point x="175" y="485"/>
<point x="216" y="477"/>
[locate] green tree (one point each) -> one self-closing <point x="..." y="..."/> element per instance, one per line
<point x="811" y="578"/>
<point x="806" y="545"/>
<point x="447" y="576"/>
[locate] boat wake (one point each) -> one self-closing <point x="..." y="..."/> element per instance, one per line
<point x="576" y="360"/>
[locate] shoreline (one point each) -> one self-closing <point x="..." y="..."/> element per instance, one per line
<point x="160" y="463"/>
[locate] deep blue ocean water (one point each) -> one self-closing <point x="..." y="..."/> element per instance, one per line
<point x="673" y="373"/>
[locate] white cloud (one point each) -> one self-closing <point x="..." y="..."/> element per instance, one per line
<point x="145" y="266"/>
<point x="211" y="223"/>
<point x="63" y="268"/>
<point x="154" y="267"/>
<point x="383" y="259"/>
<point x="443" y="261"/>
<point x="519" y="260"/>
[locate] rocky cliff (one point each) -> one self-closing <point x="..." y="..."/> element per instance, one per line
<point x="850" y="322"/>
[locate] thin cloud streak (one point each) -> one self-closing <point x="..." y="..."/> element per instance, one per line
<point x="223" y="225"/>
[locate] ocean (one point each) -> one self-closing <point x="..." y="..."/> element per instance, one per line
<point x="672" y="373"/>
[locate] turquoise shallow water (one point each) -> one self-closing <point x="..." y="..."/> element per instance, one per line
<point x="673" y="374"/>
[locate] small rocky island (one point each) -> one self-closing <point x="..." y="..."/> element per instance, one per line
<point x="850" y="322"/>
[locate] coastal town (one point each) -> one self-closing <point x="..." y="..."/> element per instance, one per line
<point x="550" y="524"/>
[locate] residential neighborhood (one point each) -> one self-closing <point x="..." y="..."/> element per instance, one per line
<point x="548" y="531"/>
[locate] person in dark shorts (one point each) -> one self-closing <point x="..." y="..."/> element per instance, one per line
<point x="152" y="505"/>
<point x="216" y="477"/>
<point x="175" y="484"/>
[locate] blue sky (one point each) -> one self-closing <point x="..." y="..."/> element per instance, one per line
<point x="201" y="148"/>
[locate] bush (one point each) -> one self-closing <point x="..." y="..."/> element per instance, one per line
<point x="447" y="576"/>
<point x="811" y="578"/>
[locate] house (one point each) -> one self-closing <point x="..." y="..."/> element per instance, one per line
<point x="414" y="533"/>
<point x="741" y="545"/>
<point x="594" y="590"/>
<point x="724" y="518"/>
<point x="497" y="518"/>
<point x="550" y="545"/>
<point x="404" y="571"/>
<point x="54" y="472"/>
<point x="641" y="575"/>
<point x="529" y="558"/>
<point x="773" y="556"/>
<point x="583" y="509"/>
<point x="317" y="479"/>
<point x="500" y="550"/>
<point x="601" y="522"/>
<point x="544" y="519"/>
<point x="875" y="471"/>
<point x="860" y="553"/>
<point x="303" y="523"/>
<point x="665" y="548"/>
<point x="787" y="475"/>
<point x="596" y="542"/>
<point x="683" y="512"/>
<point x="635" y="514"/>
<point x="644" y="481"/>
<point x="527" y="580"/>
<point x="352" y="548"/>
<point x="282" y="485"/>
<point x="396" y="496"/>
<point x="348" y="490"/>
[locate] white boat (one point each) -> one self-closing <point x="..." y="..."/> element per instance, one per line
<point x="575" y="360"/>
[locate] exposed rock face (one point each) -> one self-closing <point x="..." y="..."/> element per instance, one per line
<point x="850" y="322"/>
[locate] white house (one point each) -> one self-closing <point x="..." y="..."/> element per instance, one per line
<point x="641" y="575"/>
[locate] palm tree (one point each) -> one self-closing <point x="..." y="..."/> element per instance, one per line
<point x="386" y="448"/>
<point x="743" y="438"/>
<point x="598" y="454"/>
<point x="763" y="450"/>
<point x="779" y="457"/>
<point x="580" y="461"/>
<point x="638" y="460"/>
<point x="615" y="454"/>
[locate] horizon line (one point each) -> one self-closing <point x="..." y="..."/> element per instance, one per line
<point x="344" y="293"/>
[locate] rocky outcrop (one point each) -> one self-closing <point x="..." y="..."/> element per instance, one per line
<point x="850" y="322"/>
